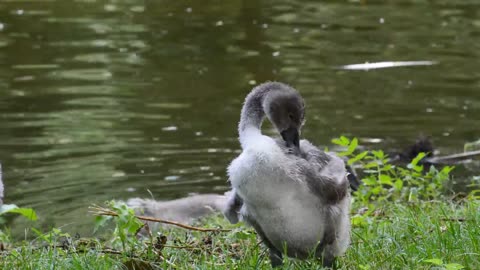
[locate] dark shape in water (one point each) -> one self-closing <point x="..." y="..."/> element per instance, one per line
<point x="425" y="145"/>
<point x="422" y="145"/>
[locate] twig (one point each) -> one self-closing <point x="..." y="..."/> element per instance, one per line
<point x="455" y="158"/>
<point x="454" y="219"/>
<point x="181" y="247"/>
<point x="115" y="252"/>
<point x="100" y="211"/>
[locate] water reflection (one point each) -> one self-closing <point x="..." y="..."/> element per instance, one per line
<point x="106" y="99"/>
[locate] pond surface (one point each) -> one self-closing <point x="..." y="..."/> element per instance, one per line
<point x="112" y="99"/>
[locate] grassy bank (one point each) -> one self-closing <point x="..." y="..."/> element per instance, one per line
<point x="398" y="236"/>
<point x="402" y="218"/>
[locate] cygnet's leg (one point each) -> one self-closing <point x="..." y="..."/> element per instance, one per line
<point x="328" y="259"/>
<point x="322" y="251"/>
<point x="338" y="236"/>
<point x="232" y="209"/>
<point x="276" y="258"/>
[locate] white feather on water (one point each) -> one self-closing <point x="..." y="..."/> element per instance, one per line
<point x="389" y="64"/>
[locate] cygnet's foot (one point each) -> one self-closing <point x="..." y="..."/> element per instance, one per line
<point x="276" y="258"/>
<point x="329" y="262"/>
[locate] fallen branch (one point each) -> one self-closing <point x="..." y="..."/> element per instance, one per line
<point x="452" y="159"/>
<point x="101" y="211"/>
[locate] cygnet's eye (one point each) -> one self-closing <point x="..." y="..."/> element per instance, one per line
<point x="290" y="115"/>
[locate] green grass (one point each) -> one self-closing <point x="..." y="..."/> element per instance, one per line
<point x="401" y="219"/>
<point x="424" y="235"/>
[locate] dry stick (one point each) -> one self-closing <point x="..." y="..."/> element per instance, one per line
<point x="99" y="211"/>
<point x="181" y="247"/>
<point x="453" y="158"/>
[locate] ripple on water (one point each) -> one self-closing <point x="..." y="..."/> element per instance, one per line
<point x="89" y="74"/>
<point x="4" y="42"/>
<point x="87" y="90"/>
<point x="104" y="58"/>
<point x="35" y="66"/>
<point x="170" y="105"/>
<point x="96" y="43"/>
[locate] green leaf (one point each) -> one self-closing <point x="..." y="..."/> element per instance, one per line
<point x="29" y="213"/>
<point x="342" y="141"/>
<point x="447" y="169"/>
<point x="100" y="221"/>
<point x="417" y="159"/>
<point x="474" y="194"/>
<point x="385" y="179"/>
<point x="357" y="157"/>
<point x="372" y="164"/>
<point x="454" y="266"/>
<point x="434" y="261"/>
<point x="378" y="154"/>
<point x="353" y="145"/>
<point x="376" y="190"/>
<point x="243" y="235"/>
<point x="26" y="212"/>
<point x="359" y="221"/>
<point x="398" y="184"/>
<point x="45" y="237"/>
<point x="369" y="181"/>
<point x="418" y="168"/>
<point x="337" y="142"/>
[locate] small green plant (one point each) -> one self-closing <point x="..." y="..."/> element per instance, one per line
<point x="126" y="226"/>
<point x="384" y="181"/>
<point x="52" y="237"/>
<point x="13" y="209"/>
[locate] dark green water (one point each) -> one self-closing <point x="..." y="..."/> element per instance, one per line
<point x="105" y="100"/>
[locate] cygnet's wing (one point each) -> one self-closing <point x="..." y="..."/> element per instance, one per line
<point x="325" y="173"/>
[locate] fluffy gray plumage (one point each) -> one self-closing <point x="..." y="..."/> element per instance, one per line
<point x="293" y="194"/>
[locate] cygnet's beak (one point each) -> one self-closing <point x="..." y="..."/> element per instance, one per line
<point x="291" y="137"/>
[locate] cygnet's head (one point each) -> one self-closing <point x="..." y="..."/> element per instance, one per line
<point x="286" y="110"/>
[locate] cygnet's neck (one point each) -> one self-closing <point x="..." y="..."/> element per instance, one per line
<point x="253" y="112"/>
